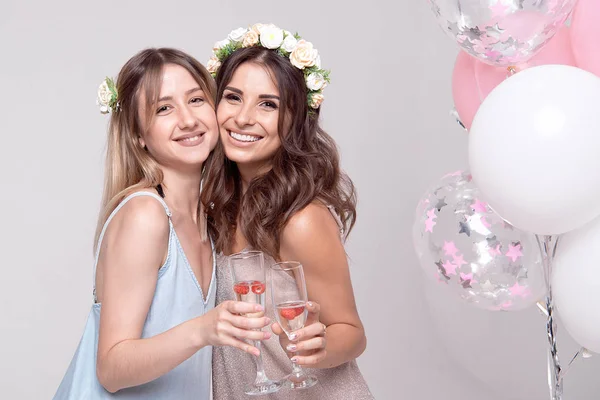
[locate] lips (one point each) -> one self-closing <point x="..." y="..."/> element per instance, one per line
<point x="190" y="137"/>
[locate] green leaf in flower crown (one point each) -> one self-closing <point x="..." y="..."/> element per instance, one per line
<point x="112" y="87"/>
<point x="221" y="53"/>
<point x="227" y="50"/>
<point x="311" y="70"/>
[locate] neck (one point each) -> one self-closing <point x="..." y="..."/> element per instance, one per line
<point x="182" y="191"/>
<point x="250" y="171"/>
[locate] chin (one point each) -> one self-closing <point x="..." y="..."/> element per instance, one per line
<point x="239" y="157"/>
<point x="196" y="159"/>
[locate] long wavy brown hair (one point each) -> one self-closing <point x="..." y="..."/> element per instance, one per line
<point x="304" y="169"/>
<point x="129" y="167"/>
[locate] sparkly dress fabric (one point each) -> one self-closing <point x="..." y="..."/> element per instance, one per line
<point x="234" y="369"/>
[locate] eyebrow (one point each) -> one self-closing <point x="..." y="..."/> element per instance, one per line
<point x="164" y="98"/>
<point x="262" y="96"/>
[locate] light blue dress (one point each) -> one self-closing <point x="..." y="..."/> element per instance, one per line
<point x="178" y="298"/>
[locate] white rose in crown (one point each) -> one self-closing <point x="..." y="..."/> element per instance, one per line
<point x="301" y="54"/>
<point x="315" y="81"/>
<point x="262" y="27"/>
<point x="289" y="43"/>
<point x="304" y="55"/>
<point x="250" y="39"/>
<point x="237" y="35"/>
<point x="271" y="36"/>
<point x="213" y="64"/>
<point x="104" y="97"/>
<point x="257" y="27"/>
<point x="316" y="100"/>
<point x="220" y="44"/>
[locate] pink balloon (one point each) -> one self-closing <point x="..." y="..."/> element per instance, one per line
<point x="473" y="80"/>
<point x="585" y="32"/>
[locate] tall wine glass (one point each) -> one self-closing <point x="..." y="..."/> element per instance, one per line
<point x="288" y="291"/>
<point x="248" y="273"/>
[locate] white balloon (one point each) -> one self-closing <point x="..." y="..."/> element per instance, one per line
<point x="576" y="284"/>
<point x="534" y="146"/>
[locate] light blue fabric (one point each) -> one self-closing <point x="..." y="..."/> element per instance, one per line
<point x="178" y="298"/>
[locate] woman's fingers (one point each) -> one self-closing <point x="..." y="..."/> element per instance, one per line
<point x="312" y="359"/>
<point x="315" y="343"/>
<point x="248" y="348"/>
<point x="249" y="323"/>
<point x="314" y="311"/>
<point x="250" y="335"/>
<point x="276" y="328"/>
<point x="315" y="329"/>
<point x="240" y="307"/>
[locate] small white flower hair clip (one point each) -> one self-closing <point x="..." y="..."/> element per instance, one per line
<point x="108" y="97"/>
<point x="301" y="54"/>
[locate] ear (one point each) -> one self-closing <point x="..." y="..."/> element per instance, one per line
<point x="141" y="142"/>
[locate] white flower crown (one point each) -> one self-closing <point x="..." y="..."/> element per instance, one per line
<point x="301" y="54"/>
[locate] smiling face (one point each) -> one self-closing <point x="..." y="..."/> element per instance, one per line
<point x="248" y="116"/>
<point x="183" y="129"/>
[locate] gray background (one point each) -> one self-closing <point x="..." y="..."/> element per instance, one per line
<point x="387" y="107"/>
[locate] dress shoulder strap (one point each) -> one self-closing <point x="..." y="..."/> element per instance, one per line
<point x="338" y="220"/>
<point x="111" y="216"/>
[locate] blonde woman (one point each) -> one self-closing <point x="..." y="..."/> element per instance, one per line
<point x="151" y="329"/>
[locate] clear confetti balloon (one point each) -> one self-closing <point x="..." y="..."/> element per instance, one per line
<point x="502" y="33"/>
<point x="463" y="244"/>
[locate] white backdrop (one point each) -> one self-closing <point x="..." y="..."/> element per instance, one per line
<point x="387" y="107"/>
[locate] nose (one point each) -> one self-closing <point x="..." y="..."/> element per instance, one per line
<point x="187" y="119"/>
<point x="245" y="116"/>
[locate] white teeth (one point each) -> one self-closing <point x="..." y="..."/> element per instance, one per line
<point x="191" y="139"/>
<point x="243" y="138"/>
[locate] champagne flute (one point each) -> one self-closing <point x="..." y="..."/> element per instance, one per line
<point x="288" y="292"/>
<point x="248" y="273"/>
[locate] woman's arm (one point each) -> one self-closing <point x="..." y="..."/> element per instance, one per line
<point x="132" y="251"/>
<point x="312" y="237"/>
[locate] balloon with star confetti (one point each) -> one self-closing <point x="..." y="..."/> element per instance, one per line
<point x="502" y="33"/>
<point x="463" y="244"/>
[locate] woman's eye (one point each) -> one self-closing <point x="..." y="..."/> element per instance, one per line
<point x="270" y="105"/>
<point x="162" y="109"/>
<point x="232" y="97"/>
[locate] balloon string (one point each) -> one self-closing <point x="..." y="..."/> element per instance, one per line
<point x="580" y="353"/>
<point x="555" y="376"/>
<point x="556" y="372"/>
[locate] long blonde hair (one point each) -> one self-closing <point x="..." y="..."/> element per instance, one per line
<point x="129" y="167"/>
